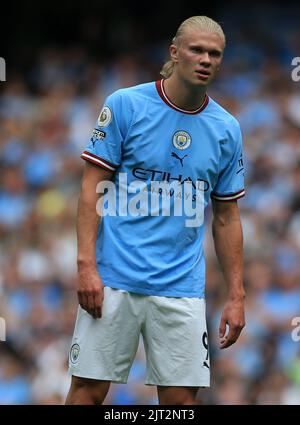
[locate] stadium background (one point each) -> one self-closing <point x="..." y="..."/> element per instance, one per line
<point x="62" y="60"/>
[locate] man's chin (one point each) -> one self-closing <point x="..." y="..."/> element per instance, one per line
<point x="199" y="82"/>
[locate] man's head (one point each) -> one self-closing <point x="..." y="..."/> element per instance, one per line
<point x="196" y="51"/>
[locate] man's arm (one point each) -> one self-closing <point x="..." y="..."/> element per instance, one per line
<point x="228" y="240"/>
<point x="90" y="286"/>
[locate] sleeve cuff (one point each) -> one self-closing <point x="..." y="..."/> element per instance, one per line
<point x="228" y="197"/>
<point x="94" y="159"/>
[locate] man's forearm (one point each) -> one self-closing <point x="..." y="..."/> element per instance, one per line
<point x="228" y="239"/>
<point x="87" y="216"/>
<point x="87" y="227"/>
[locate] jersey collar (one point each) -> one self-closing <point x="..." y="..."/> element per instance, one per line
<point x="161" y="91"/>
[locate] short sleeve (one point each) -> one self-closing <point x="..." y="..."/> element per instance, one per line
<point x="230" y="184"/>
<point x="105" y="146"/>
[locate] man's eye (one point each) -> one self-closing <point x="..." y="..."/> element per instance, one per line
<point x="215" y="53"/>
<point x="197" y="50"/>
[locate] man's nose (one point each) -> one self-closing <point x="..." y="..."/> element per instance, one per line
<point x="205" y="58"/>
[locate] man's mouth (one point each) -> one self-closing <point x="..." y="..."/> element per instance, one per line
<point x="202" y="72"/>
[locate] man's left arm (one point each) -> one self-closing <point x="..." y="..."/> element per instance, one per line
<point x="228" y="240"/>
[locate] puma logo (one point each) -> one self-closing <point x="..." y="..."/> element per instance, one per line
<point x="178" y="157"/>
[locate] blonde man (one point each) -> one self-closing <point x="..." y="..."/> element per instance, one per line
<point x="142" y="273"/>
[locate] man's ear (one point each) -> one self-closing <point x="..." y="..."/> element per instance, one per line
<point x="173" y="52"/>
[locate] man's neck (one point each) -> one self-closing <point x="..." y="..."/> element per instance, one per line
<point x="183" y="95"/>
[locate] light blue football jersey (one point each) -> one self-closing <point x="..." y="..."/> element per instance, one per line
<point x="143" y="135"/>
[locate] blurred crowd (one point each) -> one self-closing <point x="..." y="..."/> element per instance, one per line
<point x="46" y="118"/>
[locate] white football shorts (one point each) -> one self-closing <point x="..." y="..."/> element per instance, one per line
<point x="174" y="335"/>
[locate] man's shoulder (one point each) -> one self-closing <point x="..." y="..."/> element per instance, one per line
<point x="222" y="114"/>
<point x="139" y="91"/>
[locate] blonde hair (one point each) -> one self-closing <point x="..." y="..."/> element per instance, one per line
<point x="202" y="23"/>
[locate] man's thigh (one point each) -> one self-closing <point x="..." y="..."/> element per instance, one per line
<point x="175" y="339"/>
<point x="87" y="391"/>
<point x="104" y="349"/>
<point x="177" y="395"/>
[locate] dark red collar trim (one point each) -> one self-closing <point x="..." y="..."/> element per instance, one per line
<point x="160" y="89"/>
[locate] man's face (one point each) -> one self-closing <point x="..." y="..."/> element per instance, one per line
<point x="198" y="55"/>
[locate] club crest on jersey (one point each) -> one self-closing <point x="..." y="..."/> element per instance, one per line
<point x="181" y="140"/>
<point x="74" y="353"/>
<point x="105" y="117"/>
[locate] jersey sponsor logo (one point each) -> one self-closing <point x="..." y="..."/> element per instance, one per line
<point x="158" y="175"/>
<point x="178" y="157"/>
<point x="74" y="353"/>
<point x="105" y="117"/>
<point x="181" y="140"/>
<point x="152" y="198"/>
<point x="97" y="135"/>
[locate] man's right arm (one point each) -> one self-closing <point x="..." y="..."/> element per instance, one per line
<point x="90" y="286"/>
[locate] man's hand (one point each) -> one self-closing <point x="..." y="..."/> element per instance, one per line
<point x="233" y="315"/>
<point x="90" y="292"/>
